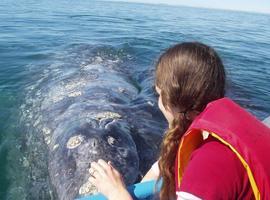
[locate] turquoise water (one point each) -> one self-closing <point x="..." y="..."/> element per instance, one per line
<point x="43" y="39"/>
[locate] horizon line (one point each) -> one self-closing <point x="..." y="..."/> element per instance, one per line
<point x="190" y="6"/>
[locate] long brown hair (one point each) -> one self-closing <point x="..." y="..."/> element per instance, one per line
<point x="190" y="75"/>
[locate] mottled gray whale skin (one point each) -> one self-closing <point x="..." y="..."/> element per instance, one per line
<point x="93" y="112"/>
<point x="69" y="163"/>
<point x="89" y="125"/>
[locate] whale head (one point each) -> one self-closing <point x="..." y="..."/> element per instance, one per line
<point x="72" y="153"/>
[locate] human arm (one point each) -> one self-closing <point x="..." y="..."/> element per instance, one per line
<point x="152" y="174"/>
<point x="108" y="181"/>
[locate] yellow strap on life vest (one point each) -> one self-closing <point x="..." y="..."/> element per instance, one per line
<point x="193" y="140"/>
<point x="246" y="166"/>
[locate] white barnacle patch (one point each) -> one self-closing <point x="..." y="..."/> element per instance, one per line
<point x="47" y="135"/>
<point x="56" y="99"/>
<point x="47" y="140"/>
<point x="55" y="147"/>
<point x="46" y="131"/>
<point x="75" y="94"/>
<point x="121" y="90"/>
<point x="87" y="188"/>
<point x="150" y="103"/>
<point x="111" y="140"/>
<point x="73" y="85"/>
<point x="74" y="141"/>
<point x="107" y="115"/>
<point x="25" y="162"/>
<point x="93" y="151"/>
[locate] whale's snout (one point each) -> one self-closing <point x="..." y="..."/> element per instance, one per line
<point x="71" y="161"/>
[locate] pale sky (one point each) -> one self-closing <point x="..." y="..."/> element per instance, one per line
<point x="262" y="6"/>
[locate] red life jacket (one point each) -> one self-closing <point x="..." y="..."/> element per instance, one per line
<point x="246" y="136"/>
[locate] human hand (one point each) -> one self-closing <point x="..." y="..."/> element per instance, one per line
<point x="108" y="180"/>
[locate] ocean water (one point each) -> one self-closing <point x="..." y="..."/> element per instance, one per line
<point x="41" y="41"/>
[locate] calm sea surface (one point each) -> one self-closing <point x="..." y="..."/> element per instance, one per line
<point x="40" y="37"/>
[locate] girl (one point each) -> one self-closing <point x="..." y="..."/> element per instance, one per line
<point x="210" y="144"/>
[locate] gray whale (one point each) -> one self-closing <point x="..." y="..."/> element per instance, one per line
<point x="90" y="111"/>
